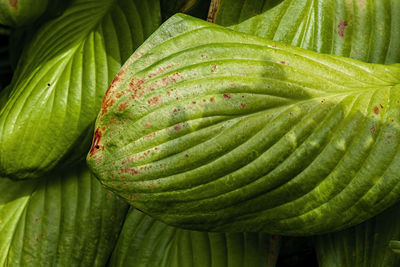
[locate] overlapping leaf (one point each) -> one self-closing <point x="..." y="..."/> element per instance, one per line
<point x="367" y="30"/>
<point x="364" y="245"/>
<point x="65" y="220"/>
<point x="206" y="128"/>
<point x="147" y="242"/>
<point x="230" y="12"/>
<point x="61" y="80"/>
<point x="21" y="12"/>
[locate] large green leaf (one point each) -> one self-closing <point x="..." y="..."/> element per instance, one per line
<point x="211" y="129"/>
<point x="367" y="30"/>
<point x="62" y="77"/>
<point x="147" y="242"/>
<point x="21" y="12"/>
<point x="67" y="220"/>
<point x="365" y="245"/>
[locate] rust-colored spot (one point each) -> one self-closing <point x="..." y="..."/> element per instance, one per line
<point x="389" y="136"/>
<point x="131" y="171"/>
<point x="212" y="99"/>
<point x="227" y="96"/>
<point x="108" y="195"/>
<point x="373" y="129"/>
<point x="135" y="86"/>
<point x="177" y="127"/>
<point x="283" y="62"/>
<point x="123" y="106"/>
<point x="194" y="102"/>
<point x="381" y="106"/>
<point x="36" y="219"/>
<point x="148" y="124"/>
<point x="243" y="105"/>
<point x="95" y="144"/>
<point x="341" y="28"/>
<point x="172" y="78"/>
<point x="154" y="100"/>
<point x="159" y="71"/>
<point x="376" y="110"/>
<point x="214" y="68"/>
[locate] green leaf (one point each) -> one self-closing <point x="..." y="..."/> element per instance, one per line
<point x="364" y="245"/>
<point x="229" y="12"/>
<point x="367" y="30"/>
<point x="395" y="246"/>
<point x="206" y="128"/>
<point x="18" y="13"/>
<point x="63" y="220"/>
<point x="147" y="242"/>
<point x="61" y="80"/>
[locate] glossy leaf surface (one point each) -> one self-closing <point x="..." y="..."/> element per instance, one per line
<point x="240" y="133"/>
<point x="365" y="245"/>
<point x="61" y="80"/>
<point x="66" y="220"/>
<point x="367" y="30"/>
<point x="147" y="242"/>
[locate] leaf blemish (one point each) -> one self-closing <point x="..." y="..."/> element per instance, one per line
<point x="341" y="27"/>
<point x="213" y="69"/>
<point x="228" y="96"/>
<point x="373" y="129"/>
<point x="95" y="145"/>
<point x="376" y="110"/>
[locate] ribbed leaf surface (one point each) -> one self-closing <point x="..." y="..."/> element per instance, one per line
<point x="147" y="242"/>
<point x="365" y="245"/>
<point x="62" y="78"/>
<point x="229" y="12"/>
<point x="367" y="30"/>
<point x="67" y="220"/>
<point x="206" y="128"/>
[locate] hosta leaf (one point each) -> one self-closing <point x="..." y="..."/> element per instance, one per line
<point x="21" y="12"/>
<point x="210" y="129"/>
<point x="229" y="12"/>
<point x="367" y="30"/>
<point x="68" y="220"/>
<point x="364" y="245"/>
<point x="147" y="242"/>
<point x="62" y="78"/>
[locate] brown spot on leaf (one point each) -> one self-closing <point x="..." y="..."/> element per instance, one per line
<point x="227" y="96"/>
<point x="214" y="68"/>
<point x="177" y="127"/>
<point x="154" y="100"/>
<point x="212" y="99"/>
<point x="341" y="28"/>
<point x="123" y="106"/>
<point x="376" y="110"/>
<point x="95" y="144"/>
<point x="243" y="105"/>
<point x="373" y="129"/>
